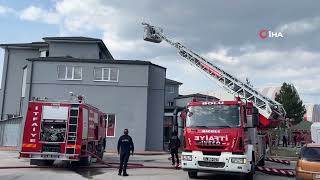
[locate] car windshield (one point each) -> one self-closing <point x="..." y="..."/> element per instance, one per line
<point x="310" y="153"/>
<point x="223" y="116"/>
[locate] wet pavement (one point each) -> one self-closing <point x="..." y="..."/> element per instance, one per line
<point x="73" y="173"/>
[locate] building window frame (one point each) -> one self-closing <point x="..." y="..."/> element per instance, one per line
<point x="24" y="81"/>
<point x="102" y="75"/>
<point x="171" y="89"/>
<point x="66" y="68"/>
<point x="44" y="53"/>
<point x="110" y="127"/>
<point x="170" y="103"/>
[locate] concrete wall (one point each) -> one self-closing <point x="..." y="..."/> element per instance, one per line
<point x="170" y="96"/>
<point x="12" y="74"/>
<point x="76" y="50"/>
<point x="130" y="98"/>
<point x="156" y="97"/>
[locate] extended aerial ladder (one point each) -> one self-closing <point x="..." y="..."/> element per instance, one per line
<point x="269" y="109"/>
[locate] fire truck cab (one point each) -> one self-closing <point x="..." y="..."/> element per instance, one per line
<point x="63" y="131"/>
<point x="222" y="137"/>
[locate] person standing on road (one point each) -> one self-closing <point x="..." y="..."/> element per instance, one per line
<point x="294" y="141"/>
<point x="174" y="145"/>
<point x="125" y="145"/>
<point x="284" y="141"/>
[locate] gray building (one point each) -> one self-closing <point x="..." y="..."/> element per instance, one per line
<point x="132" y="93"/>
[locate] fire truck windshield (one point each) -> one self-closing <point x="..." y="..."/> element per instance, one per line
<point x="222" y="116"/>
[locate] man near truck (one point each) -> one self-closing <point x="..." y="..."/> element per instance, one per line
<point x="125" y="145"/>
<point x="174" y="145"/>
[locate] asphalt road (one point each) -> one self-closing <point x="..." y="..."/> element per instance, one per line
<point x="10" y="159"/>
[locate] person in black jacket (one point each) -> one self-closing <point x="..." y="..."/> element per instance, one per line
<point x="174" y="144"/>
<point x="125" y="145"/>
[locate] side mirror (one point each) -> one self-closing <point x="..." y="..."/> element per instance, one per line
<point x="255" y="117"/>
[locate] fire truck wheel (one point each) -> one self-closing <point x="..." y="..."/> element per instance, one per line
<point x="86" y="161"/>
<point x="100" y="154"/>
<point x="193" y="174"/>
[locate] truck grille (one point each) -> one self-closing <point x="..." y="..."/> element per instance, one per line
<point x="211" y="164"/>
<point x="211" y="147"/>
<point x="51" y="148"/>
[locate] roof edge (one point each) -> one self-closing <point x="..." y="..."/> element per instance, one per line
<point x="110" y="61"/>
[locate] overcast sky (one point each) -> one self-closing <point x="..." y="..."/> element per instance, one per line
<point x="227" y="32"/>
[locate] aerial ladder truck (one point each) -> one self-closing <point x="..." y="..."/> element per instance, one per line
<point x="223" y="136"/>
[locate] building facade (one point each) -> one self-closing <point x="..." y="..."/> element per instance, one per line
<point x="132" y="93"/>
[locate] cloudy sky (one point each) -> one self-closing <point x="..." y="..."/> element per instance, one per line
<point x="227" y="32"/>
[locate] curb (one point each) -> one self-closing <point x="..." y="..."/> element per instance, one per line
<point x="9" y="148"/>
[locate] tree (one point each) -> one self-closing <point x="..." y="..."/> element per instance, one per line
<point x="289" y="98"/>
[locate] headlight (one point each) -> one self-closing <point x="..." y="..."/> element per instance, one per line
<point x="239" y="160"/>
<point x="187" y="157"/>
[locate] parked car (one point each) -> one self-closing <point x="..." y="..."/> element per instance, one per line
<point x="308" y="165"/>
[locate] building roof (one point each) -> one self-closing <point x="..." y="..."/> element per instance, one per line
<point x="170" y="81"/>
<point x="104" y="61"/>
<point x="197" y="95"/>
<point x="59" y="39"/>
<point x="25" y="45"/>
<point x="79" y="39"/>
<point x="71" y="38"/>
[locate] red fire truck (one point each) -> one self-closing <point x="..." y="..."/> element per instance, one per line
<point x="223" y="136"/>
<point x="63" y="131"/>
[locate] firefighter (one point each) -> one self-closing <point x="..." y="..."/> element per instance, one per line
<point x="125" y="145"/>
<point x="174" y="145"/>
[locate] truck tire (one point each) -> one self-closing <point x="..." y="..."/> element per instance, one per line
<point x="192" y="174"/>
<point x="100" y="151"/>
<point x="85" y="161"/>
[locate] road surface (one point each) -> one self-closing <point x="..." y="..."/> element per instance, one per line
<point x="10" y="159"/>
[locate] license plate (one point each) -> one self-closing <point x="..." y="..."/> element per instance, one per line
<point x="316" y="176"/>
<point x="210" y="159"/>
<point x="49" y="156"/>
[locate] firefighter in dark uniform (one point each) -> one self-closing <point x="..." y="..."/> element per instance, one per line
<point x="125" y="145"/>
<point x="174" y="145"/>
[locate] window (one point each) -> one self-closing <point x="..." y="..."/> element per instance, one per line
<point x="170" y="103"/>
<point x="69" y="72"/>
<point x="44" y="53"/>
<point x="111" y="125"/>
<point x="24" y="82"/>
<point x="106" y="74"/>
<point x="170" y="89"/>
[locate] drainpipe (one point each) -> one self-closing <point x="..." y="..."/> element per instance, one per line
<point x="31" y="78"/>
<point x="5" y="81"/>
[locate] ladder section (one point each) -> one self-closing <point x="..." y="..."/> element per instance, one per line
<point x="72" y="129"/>
<point x="267" y="107"/>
